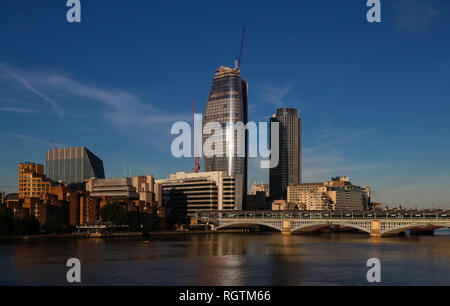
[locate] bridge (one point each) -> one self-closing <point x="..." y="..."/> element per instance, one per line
<point x="375" y="223"/>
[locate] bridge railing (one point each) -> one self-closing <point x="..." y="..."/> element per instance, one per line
<point x="370" y="215"/>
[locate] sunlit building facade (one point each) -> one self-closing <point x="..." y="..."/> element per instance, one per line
<point x="32" y="182"/>
<point x="73" y="165"/>
<point x="227" y="103"/>
<point x="184" y="193"/>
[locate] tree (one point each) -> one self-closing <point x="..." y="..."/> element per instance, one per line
<point x="114" y="212"/>
<point x="31" y="225"/>
<point x="6" y="222"/>
<point x="53" y="225"/>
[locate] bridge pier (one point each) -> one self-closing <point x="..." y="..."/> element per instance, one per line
<point x="375" y="229"/>
<point x="286" y="227"/>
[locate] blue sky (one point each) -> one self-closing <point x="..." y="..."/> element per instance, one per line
<point x="374" y="98"/>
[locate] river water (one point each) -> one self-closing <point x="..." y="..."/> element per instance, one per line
<point x="230" y="259"/>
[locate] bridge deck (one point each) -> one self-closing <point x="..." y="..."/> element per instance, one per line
<point x="374" y="223"/>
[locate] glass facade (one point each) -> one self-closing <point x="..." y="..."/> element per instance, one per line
<point x="73" y="165"/>
<point x="227" y="103"/>
<point x="288" y="172"/>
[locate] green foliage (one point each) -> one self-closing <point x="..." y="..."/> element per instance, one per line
<point x="10" y="225"/>
<point x="31" y="225"/>
<point x="6" y="222"/>
<point x="115" y="213"/>
<point x="151" y="224"/>
<point x="53" y="225"/>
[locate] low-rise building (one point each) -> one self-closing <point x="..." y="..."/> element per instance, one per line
<point x="121" y="187"/>
<point x="338" y="193"/>
<point x="184" y="192"/>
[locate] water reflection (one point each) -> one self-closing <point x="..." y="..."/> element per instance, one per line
<point x="230" y="259"/>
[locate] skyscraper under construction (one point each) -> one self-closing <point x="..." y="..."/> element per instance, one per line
<point x="227" y="103"/>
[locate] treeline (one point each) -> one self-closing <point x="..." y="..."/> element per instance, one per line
<point x="114" y="212"/>
<point x="57" y="222"/>
<point x="11" y="225"/>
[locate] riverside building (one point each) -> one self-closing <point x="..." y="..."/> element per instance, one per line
<point x="338" y="194"/>
<point x="184" y="192"/>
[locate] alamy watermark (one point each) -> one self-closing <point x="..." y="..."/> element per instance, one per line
<point x="73" y="275"/>
<point x="74" y="13"/>
<point x="227" y="140"/>
<point x="374" y="13"/>
<point x="374" y="273"/>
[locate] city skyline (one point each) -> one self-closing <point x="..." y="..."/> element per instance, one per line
<point x="373" y="106"/>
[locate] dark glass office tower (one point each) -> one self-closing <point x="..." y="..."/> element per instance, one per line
<point x="288" y="171"/>
<point x="73" y="165"/>
<point x="228" y="103"/>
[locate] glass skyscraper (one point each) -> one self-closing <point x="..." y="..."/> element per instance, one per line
<point x="227" y="103"/>
<point x="288" y="171"/>
<point x="73" y="165"/>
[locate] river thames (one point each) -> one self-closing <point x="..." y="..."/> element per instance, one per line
<point x="230" y="259"/>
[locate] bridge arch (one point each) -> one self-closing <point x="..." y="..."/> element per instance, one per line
<point x="315" y="226"/>
<point x="404" y="227"/>
<point x="277" y="225"/>
<point x="308" y="227"/>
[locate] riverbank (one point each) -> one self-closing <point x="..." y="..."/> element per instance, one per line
<point x="111" y="235"/>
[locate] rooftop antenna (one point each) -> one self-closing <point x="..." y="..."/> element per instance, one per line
<point x="54" y="145"/>
<point x="237" y="62"/>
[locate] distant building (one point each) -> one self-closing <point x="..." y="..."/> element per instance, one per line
<point x="288" y="171"/>
<point x="147" y="188"/>
<point x="184" y="192"/>
<point x="32" y="182"/>
<point x="227" y="103"/>
<point x="260" y="187"/>
<point x="258" y="199"/>
<point x="279" y="205"/>
<point x="338" y="193"/>
<point x="73" y="165"/>
<point x="312" y="196"/>
<point x="142" y="188"/>
<point x="112" y="187"/>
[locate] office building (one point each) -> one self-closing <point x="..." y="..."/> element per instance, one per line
<point x="227" y="103"/>
<point x="141" y="188"/>
<point x="338" y="194"/>
<point x="73" y="165"/>
<point x="288" y="171"/>
<point x="32" y="182"/>
<point x="116" y="188"/>
<point x="310" y="196"/>
<point x="260" y="187"/>
<point x="184" y="192"/>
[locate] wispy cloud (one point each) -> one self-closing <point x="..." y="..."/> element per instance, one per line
<point x="80" y="130"/>
<point x="274" y="94"/>
<point x="25" y="82"/>
<point x="16" y="110"/>
<point x="27" y="138"/>
<point x="416" y="15"/>
<point x="120" y="108"/>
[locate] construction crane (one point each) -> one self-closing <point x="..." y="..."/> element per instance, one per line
<point x="238" y="61"/>
<point x="197" y="162"/>
<point x="54" y="145"/>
